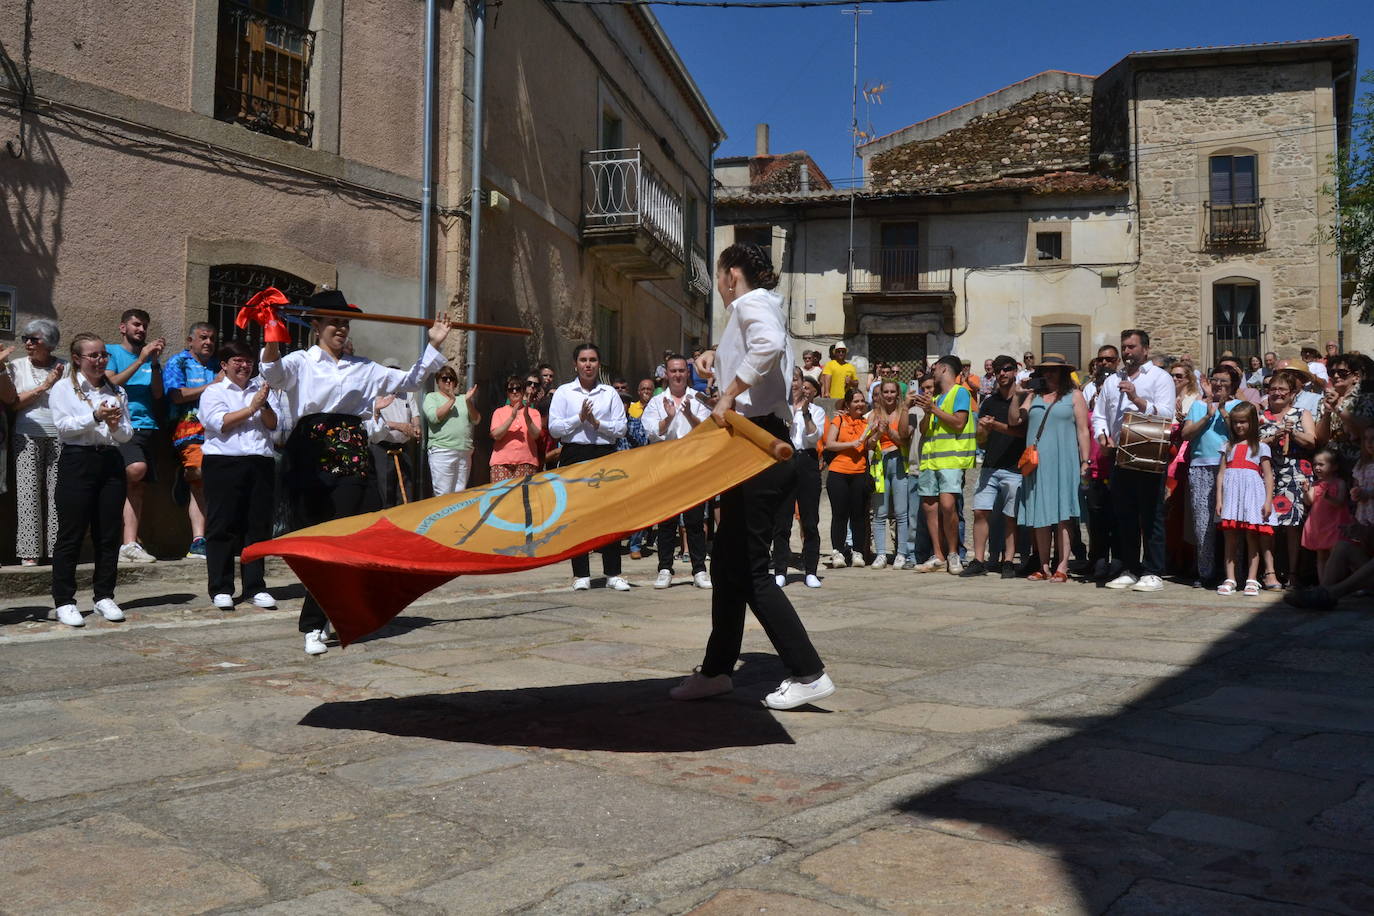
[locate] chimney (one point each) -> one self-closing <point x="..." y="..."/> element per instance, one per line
<point x="761" y="140"/>
<point x="804" y="177"/>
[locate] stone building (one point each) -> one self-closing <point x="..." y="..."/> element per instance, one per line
<point x="178" y="157"/>
<point x="1180" y="192"/>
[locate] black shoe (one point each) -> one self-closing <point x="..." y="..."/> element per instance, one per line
<point x="974" y="568"/>
<point x="1311" y="599"/>
<point x="1100" y="570"/>
<point x="1008" y="570"/>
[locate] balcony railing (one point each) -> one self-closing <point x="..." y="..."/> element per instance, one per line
<point x="625" y="192"/>
<point x="901" y="270"/>
<point x="263" y="72"/>
<point x="698" y="272"/>
<point x="1235" y="224"/>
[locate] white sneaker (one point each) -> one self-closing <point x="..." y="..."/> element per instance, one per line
<point x="1125" y="580"/>
<point x="70" y="615"/>
<point x="264" y="599"/>
<point x="697" y="686"/>
<point x="107" y="608"/>
<point x="812" y="582"/>
<point x="955" y="565"/>
<point x="1148" y="584"/>
<point x="314" y="643"/>
<point x="837" y="560"/>
<point x="224" y="602"/>
<point x="665" y="578"/>
<point x="899" y="562"/>
<point x="133" y="552"/>
<point x="582" y="584"/>
<point x="791" y="693"/>
<point x="701" y="580"/>
<point x="858" y="561"/>
<point x="880" y="561"/>
<point x="781" y="580"/>
<point x="619" y="584"/>
<point x="932" y="565"/>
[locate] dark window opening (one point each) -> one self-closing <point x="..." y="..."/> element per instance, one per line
<point x="761" y="236"/>
<point x="1234" y="204"/>
<point x="1236" y="319"/>
<point x="1049" y="246"/>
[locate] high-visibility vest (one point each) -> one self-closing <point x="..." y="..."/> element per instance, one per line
<point x="941" y="448"/>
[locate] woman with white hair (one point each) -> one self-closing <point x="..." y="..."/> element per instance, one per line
<point x="36" y="446"/>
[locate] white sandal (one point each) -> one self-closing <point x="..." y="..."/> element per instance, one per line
<point x="1227" y="588"/>
<point x="1252" y="587"/>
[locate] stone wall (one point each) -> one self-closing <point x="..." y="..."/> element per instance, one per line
<point x="1048" y="132"/>
<point x="1185" y="116"/>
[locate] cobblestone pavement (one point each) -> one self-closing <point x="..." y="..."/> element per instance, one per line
<point x="507" y="745"/>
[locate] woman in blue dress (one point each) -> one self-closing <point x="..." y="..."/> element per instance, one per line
<point x="1055" y="418"/>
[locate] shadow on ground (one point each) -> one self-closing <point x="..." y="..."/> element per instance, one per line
<point x="629" y="716"/>
<point x="1243" y="785"/>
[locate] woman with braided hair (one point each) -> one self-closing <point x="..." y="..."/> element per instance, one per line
<point x="753" y="367"/>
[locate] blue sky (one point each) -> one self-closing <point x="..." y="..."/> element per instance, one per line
<point x="792" y="67"/>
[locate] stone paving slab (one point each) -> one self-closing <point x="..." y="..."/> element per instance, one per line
<point x="506" y="746"/>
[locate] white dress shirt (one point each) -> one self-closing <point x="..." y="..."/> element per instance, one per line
<point x="401" y="410"/>
<point x="565" y="415"/>
<point x="249" y="437"/>
<point x="801" y="439"/>
<point x="1152" y="385"/>
<point x="313" y="382"/>
<point x="73" y="413"/>
<point x="754" y="348"/>
<point x="655" y="411"/>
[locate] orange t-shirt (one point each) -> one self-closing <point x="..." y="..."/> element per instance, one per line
<point x="851" y="460"/>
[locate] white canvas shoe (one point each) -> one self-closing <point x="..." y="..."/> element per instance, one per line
<point x="264" y="599"/>
<point x="1125" y="580"/>
<point x="582" y="584"/>
<point x="70" y="615"/>
<point x="665" y="578"/>
<point x="858" y="560"/>
<point x="954" y="564"/>
<point x="1148" y="584"/>
<point x="791" y="693"/>
<point x="781" y="580"/>
<point x="107" y="608"/>
<point x="899" y="562"/>
<point x="880" y="561"/>
<point x="837" y="560"/>
<point x="314" y="643"/>
<point x="223" y="602"/>
<point x="133" y="552"/>
<point x="812" y="582"/>
<point x="618" y="583"/>
<point x="701" y="580"/>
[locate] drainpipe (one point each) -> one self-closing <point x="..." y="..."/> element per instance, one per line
<point x="430" y="129"/>
<point x="711" y="243"/>
<point x="479" y="38"/>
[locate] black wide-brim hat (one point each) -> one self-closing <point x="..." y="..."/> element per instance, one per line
<point x="331" y="299"/>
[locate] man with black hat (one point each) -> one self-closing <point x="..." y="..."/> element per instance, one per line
<point x="330" y="473"/>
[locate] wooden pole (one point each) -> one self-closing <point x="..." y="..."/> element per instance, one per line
<point x="401" y="319"/>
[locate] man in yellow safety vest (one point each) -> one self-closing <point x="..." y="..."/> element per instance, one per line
<point x="949" y="442"/>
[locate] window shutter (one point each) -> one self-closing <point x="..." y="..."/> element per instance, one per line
<point x="1065" y="339"/>
<point x="1221" y="180"/>
<point x="1244" y="186"/>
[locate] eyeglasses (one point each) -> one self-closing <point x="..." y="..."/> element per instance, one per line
<point x="96" y="356"/>
<point x="531" y="384"/>
<point x="31" y="338"/>
<point x="1179" y="375"/>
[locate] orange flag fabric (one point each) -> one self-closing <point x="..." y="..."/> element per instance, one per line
<point x="366" y="569"/>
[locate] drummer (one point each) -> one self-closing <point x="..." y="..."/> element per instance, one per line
<point x="329" y="465"/>
<point x="1137" y="496"/>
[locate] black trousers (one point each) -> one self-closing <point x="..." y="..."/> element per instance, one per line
<point x="806" y="496"/>
<point x="1098" y="500"/>
<point x="848" y="508"/>
<point x="572" y="453"/>
<point x="388" y="486"/>
<point x="238" y="512"/>
<point x="694" y="522"/>
<point x="319" y="504"/>
<point x="90" y="495"/>
<point x="1138" y="516"/>
<point x="741" y="577"/>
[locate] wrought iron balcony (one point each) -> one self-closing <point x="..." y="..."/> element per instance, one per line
<point x="263" y="72"/>
<point x="698" y="272"/>
<point x="1235" y="224"/>
<point x="631" y="215"/>
<point x="900" y="271"/>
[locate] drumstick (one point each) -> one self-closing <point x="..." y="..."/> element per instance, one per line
<point x="304" y="312"/>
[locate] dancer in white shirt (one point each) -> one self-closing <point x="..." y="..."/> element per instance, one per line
<point x="587" y="417"/>
<point x="239" y="470"/>
<point x="672" y="415"/>
<point x="753" y="366"/>
<point x="91" y="416"/>
<point x="1137" y="496"/>
<point x="330" y="473"/>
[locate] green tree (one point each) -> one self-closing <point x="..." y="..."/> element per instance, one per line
<point x="1353" y="232"/>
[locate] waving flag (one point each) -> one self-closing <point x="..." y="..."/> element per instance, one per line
<point x="366" y="569"/>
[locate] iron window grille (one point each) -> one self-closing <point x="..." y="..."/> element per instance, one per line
<point x="231" y="285"/>
<point x="263" y="67"/>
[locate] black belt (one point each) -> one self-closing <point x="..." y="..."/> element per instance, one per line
<point x="89" y="448"/>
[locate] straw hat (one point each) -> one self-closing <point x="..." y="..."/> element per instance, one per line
<point x="1053" y="361"/>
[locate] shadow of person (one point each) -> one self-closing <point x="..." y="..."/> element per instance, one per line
<point x="1241" y="785"/>
<point x="625" y="716"/>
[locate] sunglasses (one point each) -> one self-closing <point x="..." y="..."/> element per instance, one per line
<point x="31" y="338"/>
<point x="1178" y="375"/>
<point x="1335" y="373"/>
<point x="447" y="378"/>
<point x="516" y="387"/>
<point x="531" y="384"/>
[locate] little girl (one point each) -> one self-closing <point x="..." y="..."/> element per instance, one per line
<point x="1362" y="493"/>
<point x="1328" y="509"/>
<point x="1245" y="488"/>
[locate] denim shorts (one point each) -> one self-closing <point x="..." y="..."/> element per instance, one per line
<point x="933" y="482"/>
<point x="994" y="482"/>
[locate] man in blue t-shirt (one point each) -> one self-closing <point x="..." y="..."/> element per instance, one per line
<point x="134" y="366"/>
<point x="188" y="374"/>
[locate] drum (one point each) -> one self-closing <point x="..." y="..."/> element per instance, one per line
<point x="1144" y="443"/>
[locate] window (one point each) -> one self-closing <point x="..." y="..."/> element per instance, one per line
<point x="1064" y="339"/>
<point x="231" y="285"/>
<point x="262" y="70"/>
<point x="1049" y="246"/>
<point x="606" y="335"/>
<point x="8" y="306"/>
<point x="905" y="351"/>
<point x="1233" y="205"/>
<point x="1236" y="318"/>
<point x="761" y="236"/>
<point x="899" y="257"/>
